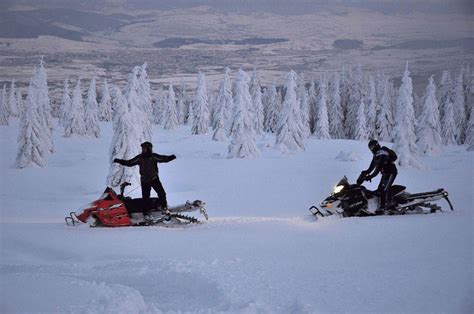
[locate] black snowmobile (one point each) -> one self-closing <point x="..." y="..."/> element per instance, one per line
<point x="349" y="200"/>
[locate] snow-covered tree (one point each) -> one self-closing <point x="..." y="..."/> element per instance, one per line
<point x="257" y="104"/>
<point x="222" y="114"/>
<point x="65" y="107"/>
<point x="445" y="91"/>
<point x="41" y="89"/>
<point x="105" y="105"/>
<point x="145" y="103"/>
<point x="125" y="141"/>
<point x="303" y="99"/>
<point x="19" y="100"/>
<point x="459" y="109"/>
<point x="135" y="98"/>
<point x="4" y="110"/>
<point x="335" y="113"/>
<point x="290" y="134"/>
<point x="355" y="94"/>
<point x="448" y="124"/>
<point x="405" y="122"/>
<point x="170" y="117"/>
<point x="224" y="106"/>
<point x="429" y="128"/>
<point x="243" y="143"/>
<point x="470" y="133"/>
<point x="361" y="132"/>
<point x="313" y="105"/>
<point x="32" y="148"/>
<point x="372" y="110"/>
<point x="322" y="121"/>
<point x="12" y="101"/>
<point x="75" y="124"/>
<point x="201" y="107"/>
<point x="272" y="108"/>
<point x="91" y="115"/>
<point x="158" y="106"/>
<point x="384" y="118"/>
<point x="184" y="99"/>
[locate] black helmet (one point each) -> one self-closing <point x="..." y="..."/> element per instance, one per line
<point x="373" y="145"/>
<point x="147" y="145"/>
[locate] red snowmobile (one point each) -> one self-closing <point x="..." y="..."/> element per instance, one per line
<point x="112" y="210"/>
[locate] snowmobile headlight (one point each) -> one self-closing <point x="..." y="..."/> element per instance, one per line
<point x="338" y="189"/>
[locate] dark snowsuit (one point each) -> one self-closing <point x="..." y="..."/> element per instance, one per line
<point x="148" y="163"/>
<point x="382" y="163"/>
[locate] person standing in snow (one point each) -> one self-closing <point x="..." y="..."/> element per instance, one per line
<point x="383" y="161"/>
<point x="148" y="163"/>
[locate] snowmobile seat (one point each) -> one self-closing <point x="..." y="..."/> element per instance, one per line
<point x="139" y="205"/>
<point x="396" y="189"/>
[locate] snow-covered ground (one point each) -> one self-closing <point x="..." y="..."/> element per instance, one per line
<point x="259" y="252"/>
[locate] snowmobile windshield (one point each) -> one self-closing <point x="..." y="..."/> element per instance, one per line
<point x="341" y="185"/>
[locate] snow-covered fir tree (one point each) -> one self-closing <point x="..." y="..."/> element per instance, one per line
<point x="158" y="106"/>
<point x="335" y="113"/>
<point x="32" y="148"/>
<point x="75" y="124"/>
<point x="224" y="106"/>
<point x="243" y="143"/>
<point x="41" y="88"/>
<point x="272" y="109"/>
<point x="4" y="110"/>
<point x="459" y="109"/>
<point x="429" y="128"/>
<point x="322" y="121"/>
<point x="183" y="98"/>
<point x="372" y="110"/>
<point x="201" y="107"/>
<point x="384" y="119"/>
<point x="222" y="114"/>
<point x="12" y="101"/>
<point x="313" y="105"/>
<point x="355" y="94"/>
<point x="135" y="99"/>
<point x="65" y="106"/>
<point x="361" y="132"/>
<point x="303" y="99"/>
<point x="144" y="94"/>
<point x="19" y="100"/>
<point x="105" y="105"/>
<point x="91" y="115"/>
<point x="448" y="124"/>
<point x="405" y="122"/>
<point x="125" y="141"/>
<point x="445" y="91"/>
<point x="470" y="133"/>
<point x="468" y="84"/>
<point x="257" y="104"/>
<point x="170" y="117"/>
<point x="290" y="135"/>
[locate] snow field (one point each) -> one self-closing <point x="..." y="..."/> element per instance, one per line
<point x="260" y="252"/>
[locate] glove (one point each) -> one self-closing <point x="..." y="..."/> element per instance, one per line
<point x="173" y="157"/>
<point x="116" y="160"/>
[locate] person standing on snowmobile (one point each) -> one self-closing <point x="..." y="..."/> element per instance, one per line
<point x="148" y="163"/>
<point x="383" y="161"/>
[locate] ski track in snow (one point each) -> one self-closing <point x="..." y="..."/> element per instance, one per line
<point x="260" y="251"/>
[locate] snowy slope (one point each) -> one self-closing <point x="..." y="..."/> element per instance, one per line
<point x="259" y="252"/>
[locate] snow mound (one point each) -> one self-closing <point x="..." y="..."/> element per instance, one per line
<point x="348" y="156"/>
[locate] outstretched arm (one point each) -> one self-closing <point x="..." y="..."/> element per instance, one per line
<point x="164" y="158"/>
<point x="129" y="163"/>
